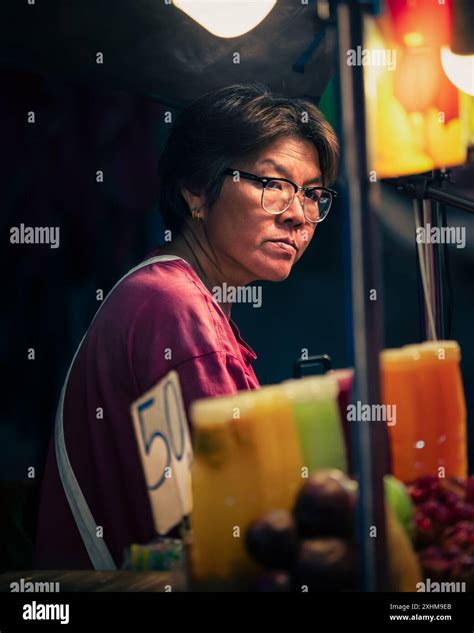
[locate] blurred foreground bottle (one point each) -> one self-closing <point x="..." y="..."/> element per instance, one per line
<point x="247" y="461"/>
<point x="318" y="421"/>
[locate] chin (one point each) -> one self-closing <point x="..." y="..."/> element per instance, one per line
<point x="276" y="272"/>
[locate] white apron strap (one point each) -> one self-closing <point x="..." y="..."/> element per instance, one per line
<point x="96" y="548"/>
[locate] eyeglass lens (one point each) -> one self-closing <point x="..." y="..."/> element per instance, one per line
<point x="278" y="195"/>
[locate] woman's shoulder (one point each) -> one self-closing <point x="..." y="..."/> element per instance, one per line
<point x="166" y="299"/>
<point x="167" y="278"/>
<point x="172" y="286"/>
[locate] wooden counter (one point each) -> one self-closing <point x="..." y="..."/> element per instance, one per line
<point x="113" y="581"/>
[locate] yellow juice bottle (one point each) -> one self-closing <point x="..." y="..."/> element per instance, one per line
<point x="225" y="498"/>
<point x="247" y="461"/>
<point x="277" y="448"/>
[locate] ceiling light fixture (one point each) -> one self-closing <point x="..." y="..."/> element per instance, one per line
<point x="226" y="18"/>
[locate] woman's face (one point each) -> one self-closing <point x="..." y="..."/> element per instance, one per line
<point x="243" y="236"/>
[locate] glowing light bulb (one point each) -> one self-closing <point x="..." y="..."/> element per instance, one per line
<point x="413" y="39"/>
<point x="226" y="18"/>
<point x="459" y="69"/>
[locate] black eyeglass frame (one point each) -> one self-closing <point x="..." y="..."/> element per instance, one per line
<point x="264" y="180"/>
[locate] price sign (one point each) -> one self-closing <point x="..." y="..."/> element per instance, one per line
<point x="164" y="444"/>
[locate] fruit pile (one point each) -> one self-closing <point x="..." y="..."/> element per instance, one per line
<point x="311" y="546"/>
<point x="444" y="528"/>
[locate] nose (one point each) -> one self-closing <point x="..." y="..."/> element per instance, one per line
<point x="295" y="213"/>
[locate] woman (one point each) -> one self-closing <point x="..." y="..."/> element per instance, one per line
<point x="244" y="179"/>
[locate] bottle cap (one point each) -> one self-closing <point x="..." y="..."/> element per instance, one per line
<point x="440" y="350"/>
<point x="396" y="355"/>
<point x="212" y="411"/>
<point x="443" y="349"/>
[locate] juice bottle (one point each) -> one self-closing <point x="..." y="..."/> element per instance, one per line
<point x="224" y="493"/>
<point x="247" y="461"/>
<point x="440" y="375"/>
<point x="318" y="422"/>
<point x="345" y="378"/>
<point x="277" y="447"/>
<point x="429" y="425"/>
<point x="424" y="381"/>
<point x="398" y="387"/>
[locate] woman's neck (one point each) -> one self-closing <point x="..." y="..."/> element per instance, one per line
<point x="189" y="247"/>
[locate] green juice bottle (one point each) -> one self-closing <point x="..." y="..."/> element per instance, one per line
<point x="318" y="423"/>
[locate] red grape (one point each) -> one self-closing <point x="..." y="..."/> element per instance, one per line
<point x="467" y="511"/>
<point x="461" y="534"/>
<point x="443" y="515"/>
<point x="418" y="495"/>
<point x="423" y="523"/>
<point x="450" y="498"/>
<point x="429" y="508"/>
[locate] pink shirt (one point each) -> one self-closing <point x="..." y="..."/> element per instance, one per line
<point x="161" y="317"/>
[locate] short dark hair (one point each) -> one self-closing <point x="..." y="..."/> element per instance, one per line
<point x="234" y="123"/>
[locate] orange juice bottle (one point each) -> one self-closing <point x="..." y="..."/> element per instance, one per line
<point x="439" y="369"/>
<point x="424" y="381"/>
<point x="429" y="425"/>
<point x="398" y="387"/>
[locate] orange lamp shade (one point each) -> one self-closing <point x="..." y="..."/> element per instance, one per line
<point x="414" y="119"/>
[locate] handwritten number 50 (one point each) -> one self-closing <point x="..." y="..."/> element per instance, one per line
<point x="170" y="399"/>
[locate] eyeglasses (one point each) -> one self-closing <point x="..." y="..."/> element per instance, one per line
<point x="279" y="193"/>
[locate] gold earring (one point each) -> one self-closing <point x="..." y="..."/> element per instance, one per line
<point x="195" y="212"/>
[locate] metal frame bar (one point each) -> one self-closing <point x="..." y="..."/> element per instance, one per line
<point x="429" y="213"/>
<point x="429" y="201"/>
<point x="370" y="443"/>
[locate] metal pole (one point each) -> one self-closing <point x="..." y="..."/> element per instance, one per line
<point x="427" y="216"/>
<point x="420" y="260"/>
<point x="450" y="199"/>
<point x="370" y="446"/>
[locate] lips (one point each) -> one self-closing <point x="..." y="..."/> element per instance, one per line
<point x="284" y="241"/>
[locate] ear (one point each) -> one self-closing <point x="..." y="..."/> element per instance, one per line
<point x="194" y="200"/>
